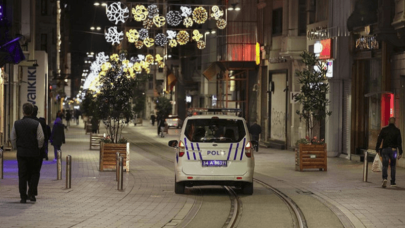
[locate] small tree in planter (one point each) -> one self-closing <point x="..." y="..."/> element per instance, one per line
<point x="314" y="89"/>
<point x="163" y="106"/>
<point x="117" y="85"/>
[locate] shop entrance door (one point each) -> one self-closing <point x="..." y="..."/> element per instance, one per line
<point x="278" y="107"/>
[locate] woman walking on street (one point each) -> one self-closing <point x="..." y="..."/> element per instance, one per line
<point x="57" y="136"/>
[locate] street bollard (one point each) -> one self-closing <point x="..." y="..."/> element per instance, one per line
<point x="1" y="162"/>
<point x="117" y="161"/>
<point x="121" y="174"/>
<point x="59" y="165"/>
<point x="68" y="171"/>
<point x="365" y="166"/>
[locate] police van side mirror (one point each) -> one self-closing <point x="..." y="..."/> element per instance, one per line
<point x="173" y="143"/>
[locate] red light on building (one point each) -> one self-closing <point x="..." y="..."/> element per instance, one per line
<point x="387" y="108"/>
<point x="326" y="52"/>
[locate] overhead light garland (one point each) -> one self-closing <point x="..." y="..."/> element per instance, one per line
<point x="153" y="10"/>
<point x="173" y="43"/>
<point x="132" y="35"/>
<point x="160" y="39"/>
<point x="149" y="42"/>
<point x="182" y="37"/>
<point x="174" y="18"/>
<point x="116" y="13"/>
<point x="148" y="23"/>
<point x="201" y="44"/>
<point x="161" y="64"/>
<point x="159" y="21"/>
<point x="158" y="58"/>
<point x="186" y="11"/>
<point x="171" y="34"/>
<point x="149" y="58"/>
<point x="221" y="23"/>
<point x="188" y="22"/>
<point x="140" y="13"/>
<point x="139" y="44"/>
<point x="216" y="12"/>
<point x="200" y="15"/>
<point x="113" y="36"/>
<point x="197" y="35"/>
<point x="143" y="34"/>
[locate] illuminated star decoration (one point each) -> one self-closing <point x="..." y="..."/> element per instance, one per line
<point x="149" y="42"/>
<point x="173" y="18"/>
<point x="140" y="13"/>
<point x="141" y="57"/>
<point x="171" y="34"/>
<point x="160" y="39"/>
<point x="186" y="11"/>
<point x="216" y="12"/>
<point x="200" y="15"/>
<point x="148" y="23"/>
<point x="132" y="35"/>
<point x="197" y="35"/>
<point x="113" y="36"/>
<point x="201" y="44"/>
<point x="149" y="58"/>
<point x="188" y="22"/>
<point x="183" y="37"/>
<point x="159" y="21"/>
<point x="173" y="43"/>
<point x="153" y="10"/>
<point x="221" y="23"/>
<point x="158" y="58"/>
<point x="139" y="44"/>
<point x="143" y="34"/>
<point x="116" y="13"/>
<point x="161" y="64"/>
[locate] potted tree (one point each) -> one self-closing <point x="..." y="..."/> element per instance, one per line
<point x="116" y="87"/>
<point x="312" y="97"/>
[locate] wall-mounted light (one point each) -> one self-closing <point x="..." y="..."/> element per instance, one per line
<point x="233" y="7"/>
<point x="35" y="64"/>
<point x="96" y="3"/>
<point x="92" y="28"/>
<point x="98" y="28"/>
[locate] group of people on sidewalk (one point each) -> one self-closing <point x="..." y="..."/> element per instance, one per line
<point x="30" y="137"/>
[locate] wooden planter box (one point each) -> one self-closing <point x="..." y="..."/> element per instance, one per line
<point x="311" y="157"/>
<point x="95" y="140"/>
<point x="108" y="156"/>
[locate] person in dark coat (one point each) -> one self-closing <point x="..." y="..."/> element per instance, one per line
<point x="57" y="136"/>
<point x="255" y="130"/>
<point x="77" y="115"/>
<point x="94" y="124"/>
<point x="27" y="136"/>
<point x="392" y="141"/>
<point x="68" y="117"/>
<point x="47" y="132"/>
<point x="153" y="118"/>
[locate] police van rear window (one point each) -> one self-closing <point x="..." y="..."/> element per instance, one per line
<point x="215" y="130"/>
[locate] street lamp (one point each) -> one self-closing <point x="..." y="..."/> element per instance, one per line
<point x="96" y="3"/>
<point x="98" y="28"/>
<point x="92" y="28"/>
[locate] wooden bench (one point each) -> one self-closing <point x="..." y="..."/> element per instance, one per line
<point x="95" y="140"/>
<point x="313" y="157"/>
<point x="108" y="156"/>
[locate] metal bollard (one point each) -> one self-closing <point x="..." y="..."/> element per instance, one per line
<point x="68" y="171"/>
<point x="1" y="162"/>
<point x="121" y="174"/>
<point x="365" y="166"/>
<point x="117" y="161"/>
<point x="59" y="165"/>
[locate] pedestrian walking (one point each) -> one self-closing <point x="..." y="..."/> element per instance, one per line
<point x="153" y="118"/>
<point x="392" y="143"/>
<point x="77" y="115"/>
<point x="68" y="118"/>
<point x="47" y="132"/>
<point x="27" y="136"/>
<point x="57" y="136"/>
<point x="37" y="173"/>
<point x="255" y="130"/>
<point x="94" y="124"/>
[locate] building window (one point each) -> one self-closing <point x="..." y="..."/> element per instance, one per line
<point x="302" y="17"/>
<point x="321" y="8"/>
<point x="277" y="21"/>
<point x="44" y="42"/>
<point x="53" y="36"/>
<point x="150" y="82"/>
<point x="44" y="7"/>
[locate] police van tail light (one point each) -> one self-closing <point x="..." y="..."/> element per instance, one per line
<point x="181" y="149"/>
<point x="248" y="150"/>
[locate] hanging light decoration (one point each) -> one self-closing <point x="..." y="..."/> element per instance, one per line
<point x="160" y="39"/>
<point x="173" y="43"/>
<point x="143" y="34"/>
<point x="161" y="64"/>
<point x="188" y="22"/>
<point x="182" y="37"/>
<point x="200" y="15"/>
<point x="149" y="58"/>
<point x="153" y="10"/>
<point x="148" y="23"/>
<point x="221" y="23"/>
<point x="116" y="13"/>
<point x="201" y="44"/>
<point x="186" y="11"/>
<point x="171" y="34"/>
<point x="132" y="35"/>
<point x="113" y="36"/>
<point x="197" y="35"/>
<point x="158" y="58"/>
<point x="114" y="57"/>
<point x="174" y="18"/>
<point x="140" y="13"/>
<point x="159" y="21"/>
<point x="216" y="12"/>
<point x="139" y="44"/>
<point x="137" y="67"/>
<point x="149" y="42"/>
<point x="141" y="57"/>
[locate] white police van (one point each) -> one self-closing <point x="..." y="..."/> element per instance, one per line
<point x="214" y="150"/>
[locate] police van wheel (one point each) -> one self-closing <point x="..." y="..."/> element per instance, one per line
<point x="179" y="187"/>
<point x="247" y="188"/>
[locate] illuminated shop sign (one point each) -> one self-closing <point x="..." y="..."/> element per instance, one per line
<point x="326" y="52"/>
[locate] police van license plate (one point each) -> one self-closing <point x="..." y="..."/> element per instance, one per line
<point x="214" y="163"/>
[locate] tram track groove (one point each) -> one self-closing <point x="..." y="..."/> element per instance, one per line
<point x="236" y="209"/>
